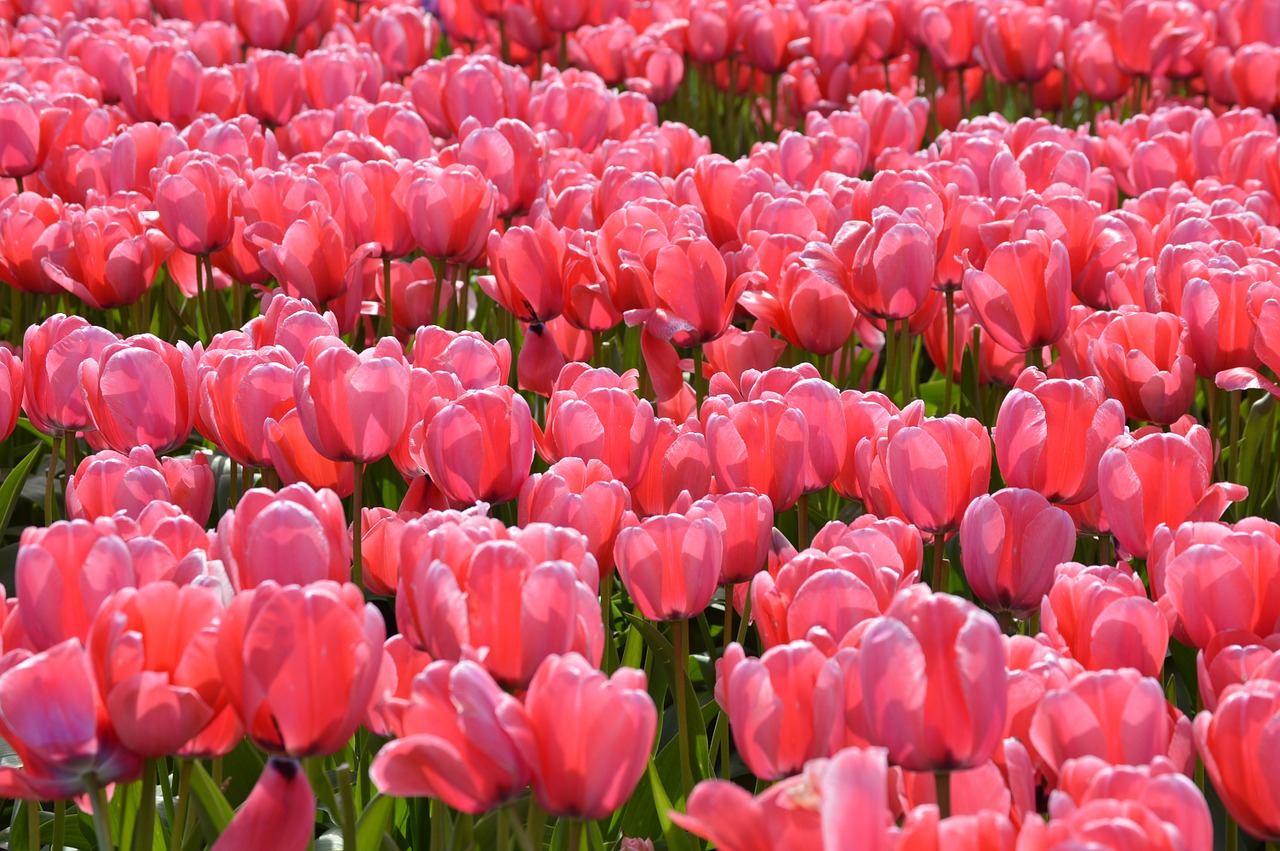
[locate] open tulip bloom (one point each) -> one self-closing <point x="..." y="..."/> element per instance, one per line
<point x="555" y="425"/>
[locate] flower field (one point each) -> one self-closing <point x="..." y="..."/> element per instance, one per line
<point x="764" y="425"/>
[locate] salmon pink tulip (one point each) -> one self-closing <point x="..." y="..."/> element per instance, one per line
<point x="1235" y="743"/>
<point x="480" y="447"/>
<point x="353" y="406"/>
<point x="1010" y="543"/>
<point x="296" y="536"/>
<point x="108" y="482"/>
<point x="670" y="564"/>
<point x="142" y="392"/>
<point x="278" y="815"/>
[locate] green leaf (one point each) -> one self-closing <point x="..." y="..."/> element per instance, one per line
<point x="677" y="839"/>
<point x="373" y="823"/>
<point x="13" y="485"/>
<point x="211" y="806"/>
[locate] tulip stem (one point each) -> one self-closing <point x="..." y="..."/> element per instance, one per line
<point x="1104" y="549"/>
<point x="1233" y="834"/>
<point x="177" y="832"/>
<point x="727" y="638"/>
<point x="18" y="180"/>
<point x="948" y="383"/>
<point x="1233" y="435"/>
<point x="69" y="465"/>
<point x="33" y="824"/>
<point x="575" y="835"/>
<point x="611" y="661"/>
<point x="145" y="827"/>
<point x="537" y="823"/>
<point x="680" y="632"/>
<point x="49" y="517"/>
<point x="941" y="581"/>
<point x="59" y="825"/>
<point x="101" y="815"/>
<point x="357" y="565"/>
<point x="907" y="352"/>
<point x="943" y="781"/>
<point x="388" y="320"/>
<point x="802" y="522"/>
<point x="347" y="805"/>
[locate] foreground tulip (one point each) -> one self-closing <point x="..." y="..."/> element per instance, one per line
<point x="53" y="716"/>
<point x="456" y="741"/>
<point x="278" y="815"/>
<point x="142" y="392"/>
<point x="1143" y="362"/>
<point x="193" y="202"/>
<point x="294" y="537"/>
<point x="1050" y="435"/>
<point x="300" y="664"/>
<point x="937" y="468"/>
<point x="591" y="736"/>
<point x="581" y="495"/>
<point x="52" y="353"/>
<point x="1237" y="744"/>
<point x="1022" y="294"/>
<point x="108" y="482"/>
<point x="1010" y="543"/>
<point x="760" y="445"/>
<point x="1103" y="618"/>
<point x="589" y="412"/>
<point x="480" y="447"/>
<point x="933" y="682"/>
<point x="353" y="405"/>
<point x="239" y="393"/>
<point x="670" y="565"/>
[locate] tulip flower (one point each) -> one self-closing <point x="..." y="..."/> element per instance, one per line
<point x="10" y="392"/>
<point x="1233" y="657"/>
<point x="52" y="352"/>
<point x="512" y="610"/>
<point x="937" y="468"/>
<point x="1235" y="743"/>
<point x="193" y="201"/>
<point x="1231" y="584"/>
<point x="746" y="528"/>
<point x="679" y="464"/>
<point x="1143" y="362"/>
<point x="591" y="736"/>
<point x="589" y="405"/>
<point x="528" y="265"/>
<point x="278" y="815"/>
<point x="1010" y="543"/>
<point x="457" y="740"/>
<point x="670" y="564"/>
<point x="106" y="256"/>
<point x="1022" y="294"/>
<point x="451" y="211"/>
<point x="296" y="536"/>
<point x="54" y="717"/>
<point x="894" y="264"/>
<point x="784" y="708"/>
<point x="480" y="447"/>
<point x="239" y="393"/>
<point x="760" y="445"/>
<point x="933" y="682"/>
<point x="108" y="482"/>
<point x="142" y="392"/>
<point x="310" y="258"/>
<point x="582" y="496"/>
<point x="1103" y="618"/>
<point x="300" y="664"/>
<point x="1050" y="435"/>
<point x="295" y="459"/>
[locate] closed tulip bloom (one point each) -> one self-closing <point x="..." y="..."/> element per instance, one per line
<point x="20" y="152"/>
<point x="1109" y="824"/>
<point x="30" y="228"/>
<point x="451" y="212"/>
<point x="142" y="392"/>
<point x="1232" y="584"/>
<point x="679" y="464"/>
<point x="353" y="406"/>
<point x="893" y="266"/>
<point x="278" y="815"/>
<point x="1235" y="743"/>
<point x="239" y="393"/>
<point x="1220" y="332"/>
<point x="194" y="204"/>
<point x="591" y="736"/>
<point x="670" y="564"/>
<point x="761" y="445"/>
<point x="296" y="536"/>
<point x="580" y="495"/>
<point x="480" y="447"/>
<point x="746" y="528"/>
<point x="1233" y="657"/>
<point x="510" y="610"/>
<point x="300" y="664"/>
<point x="1143" y="362"/>
<point x="937" y="468"/>
<point x="589" y="413"/>
<point x="1020" y="46"/>
<point x="1160" y="478"/>
<point x="807" y="309"/>
<point x="528" y="271"/>
<point x="456" y="741"/>
<point x="819" y="401"/>
<point x="106" y="256"/>
<point x="53" y="716"/>
<point x="1022" y="295"/>
<point x="273" y="24"/>
<point x="108" y="482"/>
<point x="933" y="682"/>
<point x="10" y="392"/>
<point x="1103" y="618"/>
<point x="1010" y="543"/>
<point x="371" y="192"/>
<point x="52" y="352"/>
<point x="695" y="294"/>
<point x="1118" y="715"/>
<point x="153" y="650"/>
<point x="310" y="258"/>
<point x="784" y="708"/>
<point x="294" y="457"/>
<point x="1050" y="435"/>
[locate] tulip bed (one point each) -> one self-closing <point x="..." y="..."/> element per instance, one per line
<point x="765" y="424"/>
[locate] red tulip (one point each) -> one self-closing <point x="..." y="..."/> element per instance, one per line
<point x="353" y="406"/>
<point x="142" y="392"/>
<point x="582" y="496"/>
<point x="591" y="739"/>
<point x="933" y="682"/>
<point x="1023" y="292"/>
<point x="1103" y="618"/>
<point x="670" y="564"/>
<point x="1050" y="435"/>
<point x="937" y="468"/>
<point x="1143" y="362"/>
<point x="480" y="446"/>
<point x="1235" y="743"/>
<point x="457" y="741"/>
<point x="810" y="311"/>
<point x="300" y="664"/>
<point x="1010" y="543"/>
<point x="1160" y="478"/>
<point x="108" y="482"/>
<point x="784" y="708"/>
<point x="278" y="815"/>
<point x="153" y="650"/>
<point x="1097" y="715"/>
<point x="52" y="353"/>
<point x="54" y="717"/>
<point x="297" y="536"/>
<point x="503" y="608"/>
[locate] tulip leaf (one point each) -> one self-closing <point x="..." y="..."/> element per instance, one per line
<point x="12" y="487"/>
<point x="211" y="806"/>
<point x="373" y="823"/>
<point x="1255" y="433"/>
<point x="677" y="839"/>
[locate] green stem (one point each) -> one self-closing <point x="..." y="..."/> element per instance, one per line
<point x="680" y="632"/>
<point x="178" y="833"/>
<point x="49" y="516"/>
<point x="943" y="781"/>
<point x="907" y="350"/>
<point x="699" y="380"/>
<point x="101" y="815"/>
<point x="439" y="835"/>
<point x="21" y="188"/>
<point x="388" y="320"/>
<point x="727" y="637"/>
<point x="145" y="828"/>
<point x="941" y="581"/>
<point x="575" y="835"/>
<point x="802" y="522"/>
<point x="33" y="824"/>
<point x="59" y="825"/>
<point x="347" y="803"/>
<point x="1233" y="435"/>
<point x="1233" y="834"/>
<point x="357" y="522"/>
<point x="537" y="824"/>
<point x="611" y="661"/>
<point x="948" y="384"/>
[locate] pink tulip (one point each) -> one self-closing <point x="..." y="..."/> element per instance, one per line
<point x="11" y="382"/>
<point x="193" y="201"/>
<point x="760" y="445"/>
<point x="296" y="537"/>
<point x="1010" y="543"/>
<point x="1143" y="362"/>
<point x="1235" y="744"/>
<point x="1023" y="292"/>
<point x="353" y="406"/>
<point x="588" y="405"/>
<point x="1103" y="618"/>
<point x="746" y="528"/>
<point x="142" y="392"/>
<point x="239" y="392"/>
<point x="457" y="741"/>
<point x="278" y="815"/>
<point x="591" y="736"/>
<point x="106" y="256"/>
<point x="1233" y="657"/>
<point x="670" y="564"/>
<point x="108" y="482"/>
<point x="52" y="353"/>
<point x="679" y="464"/>
<point x="937" y="468"/>
<point x="451" y="212"/>
<point x="480" y="447"/>
<point x="893" y="267"/>
<point x="582" y="496"/>
<point x="295" y="459"/>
